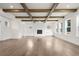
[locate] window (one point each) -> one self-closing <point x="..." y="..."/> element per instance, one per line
<point x="61" y="27"/>
<point x="68" y="25"/>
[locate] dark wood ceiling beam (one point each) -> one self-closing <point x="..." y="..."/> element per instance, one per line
<point x="38" y="20"/>
<point x="39" y="17"/>
<point x="27" y="10"/>
<point x="14" y="10"/>
<point x="22" y="10"/>
<point x="52" y="9"/>
<point x="65" y="10"/>
<point x="38" y="10"/>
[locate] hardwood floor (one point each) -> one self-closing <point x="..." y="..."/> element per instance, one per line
<point x="37" y="46"/>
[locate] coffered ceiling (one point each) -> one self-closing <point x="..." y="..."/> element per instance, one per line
<point x="39" y="10"/>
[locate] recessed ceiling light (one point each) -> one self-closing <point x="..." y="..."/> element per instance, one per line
<point x="11" y="6"/>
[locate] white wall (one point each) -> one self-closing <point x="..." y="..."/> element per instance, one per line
<point x="39" y="26"/>
<point x="17" y="28"/>
<point x="73" y="36"/>
<point x="73" y="18"/>
<point x="7" y="31"/>
<point x="27" y="31"/>
<point x="77" y="26"/>
<point x="52" y="29"/>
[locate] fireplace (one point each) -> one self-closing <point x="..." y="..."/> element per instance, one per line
<point x="39" y="31"/>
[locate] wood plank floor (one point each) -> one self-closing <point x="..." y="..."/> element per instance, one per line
<point x="37" y="46"/>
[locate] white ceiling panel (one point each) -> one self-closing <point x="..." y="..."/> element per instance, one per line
<point x="60" y="14"/>
<point x="8" y="5"/>
<point x="20" y="14"/>
<point x="38" y="18"/>
<point x="54" y="18"/>
<point x="39" y="14"/>
<point x="39" y="5"/>
<point x="68" y="6"/>
<point x="23" y="19"/>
